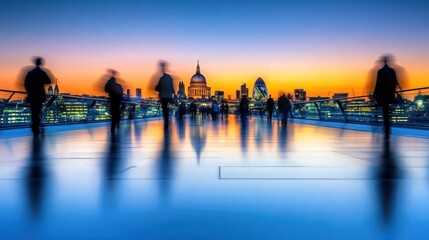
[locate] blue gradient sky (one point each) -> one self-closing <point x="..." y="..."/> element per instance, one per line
<point x="297" y="43"/>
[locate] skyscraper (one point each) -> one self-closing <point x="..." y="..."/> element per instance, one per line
<point x="181" y="93"/>
<point x="260" y="92"/>
<point x="300" y="94"/>
<point x="244" y="90"/>
<point x="138" y="92"/>
<point x="220" y="95"/>
<point x="56" y="89"/>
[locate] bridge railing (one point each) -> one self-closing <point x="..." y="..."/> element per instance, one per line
<point x="66" y="109"/>
<point x="411" y="108"/>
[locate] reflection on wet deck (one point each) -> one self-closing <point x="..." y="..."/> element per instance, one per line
<point x="207" y="179"/>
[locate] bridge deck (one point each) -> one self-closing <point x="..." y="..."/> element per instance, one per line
<point x="207" y="179"/>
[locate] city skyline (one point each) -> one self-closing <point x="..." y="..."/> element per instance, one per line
<point x="322" y="47"/>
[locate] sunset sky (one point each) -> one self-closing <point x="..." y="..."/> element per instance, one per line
<point x="321" y="46"/>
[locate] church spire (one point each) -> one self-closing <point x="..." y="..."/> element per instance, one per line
<point x="198" y="67"/>
<point x="56" y="89"/>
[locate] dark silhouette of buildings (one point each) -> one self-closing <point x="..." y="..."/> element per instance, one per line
<point x="181" y="93"/>
<point x="138" y="92"/>
<point x="244" y="90"/>
<point x="237" y="94"/>
<point x="300" y="94"/>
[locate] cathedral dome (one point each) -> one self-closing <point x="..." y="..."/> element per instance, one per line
<point x="198" y="78"/>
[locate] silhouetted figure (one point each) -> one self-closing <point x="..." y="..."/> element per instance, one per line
<point x="193" y="108"/>
<point x="223" y="107"/>
<point x="270" y="108"/>
<point x="165" y="88"/>
<point x="116" y="94"/>
<point x="215" y="110"/>
<point x="244" y="107"/>
<point x="34" y="83"/>
<point x="384" y="92"/>
<point x="182" y="110"/>
<point x="284" y="106"/>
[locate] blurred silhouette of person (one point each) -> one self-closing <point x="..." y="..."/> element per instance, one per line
<point x="182" y="110"/>
<point x="215" y="110"/>
<point x="36" y="177"/>
<point x="193" y="109"/>
<point x="165" y="88"/>
<point x="202" y="111"/>
<point x="384" y="91"/>
<point x="223" y="107"/>
<point x="270" y="108"/>
<point x="284" y="106"/>
<point x="34" y="84"/>
<point x="116" y="94"/>
<point x="244" y="108"/>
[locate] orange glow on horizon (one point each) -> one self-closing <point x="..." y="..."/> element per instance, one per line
<point x="319" y="81"/>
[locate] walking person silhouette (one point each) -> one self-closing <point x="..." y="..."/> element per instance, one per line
<point x="284" y="106"/>
<point x="116" y="94"/>
<point x="270" y="108"/>
<point x="165" y="88"/>
<point x="384" y="92"/>
<point x="34" y="84"/>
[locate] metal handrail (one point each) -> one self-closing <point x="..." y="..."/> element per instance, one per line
<point x="357" y="97"/>
<point x="101" y="99"/>
<point x="128" y="106"/>
<point x="340" y="110"/>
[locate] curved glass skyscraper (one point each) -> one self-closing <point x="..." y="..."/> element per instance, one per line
<point x="260" y="92"/>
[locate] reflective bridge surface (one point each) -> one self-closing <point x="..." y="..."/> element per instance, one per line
<point x="207" y="179"/>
